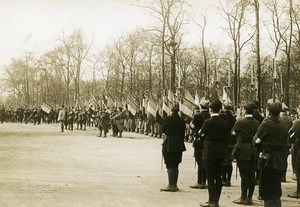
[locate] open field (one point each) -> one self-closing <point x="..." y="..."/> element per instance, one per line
<point x="40" y="167"/>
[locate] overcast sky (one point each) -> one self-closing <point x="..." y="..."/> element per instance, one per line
<point x="35" y="25"/>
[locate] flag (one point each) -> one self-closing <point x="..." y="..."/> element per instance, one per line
<point x="170" y="96"/>
<point x="197" y="99"/>
<point x="46" y="108"/>
<point x="110" y="102"/>
<point x="165" y="107"/>
<point x="225" y="95"/>
<point x="189" y="97"/>
<point x="187" y="107"/>
<point x="151" y="107"/>
<point x="132" y="106"/>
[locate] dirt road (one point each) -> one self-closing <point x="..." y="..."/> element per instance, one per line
<point x="40" y="167"/>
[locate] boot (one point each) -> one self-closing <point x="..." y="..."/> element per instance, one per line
<point x="175" y="172"/>
<point x="170" y="187"/>
<point x="244" y="188"/>
<point x="120" y="135"/>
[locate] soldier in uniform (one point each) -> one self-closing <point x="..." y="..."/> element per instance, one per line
<point x="287" y="121"/>
<point x="245" y="154"/>
<point x="120" y="117"/>
<point x="295" y="140"/>
<point x="114" y="126"/>
<point x="61" y="117"/>
<point x="215" y="132"/>
<point x="71" y="116"/>
<point x="271" y="137"/>
<point x="2" y="114"/>
<point x="173" y="129"/>
<point x="228" y="116"/>
<point x="198" y="143"/>
<point x="83" y="118"/>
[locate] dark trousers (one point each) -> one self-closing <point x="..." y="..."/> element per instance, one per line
<point x="213" y="170"/>
<point x="172" y="159"/>
<point x="270" y="186"/>
<point x="247" y="172"/>
<point x="201" y="179"/>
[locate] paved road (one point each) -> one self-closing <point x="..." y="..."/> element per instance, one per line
<point x="39" y="166"/>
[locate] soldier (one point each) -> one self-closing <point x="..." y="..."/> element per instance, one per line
<point x="295" y="140"/>
<point x="228" y="116"/>
<point x="61" y="117"/>
<point x="245" y="154"/>
<point x="103" y="122"/>
<point x="120" y="117"/>
<point x="173" y="128"/>
<point x="271" y="136"/>
<point x="83" y="118"/>
<point x="114" y="126"/>
<point x="198" y="143"/>
<point x="71" y="116"/>
<point x="215" y="132"/>
<point x="287" y="122"/>
<point x="2" y="113"/>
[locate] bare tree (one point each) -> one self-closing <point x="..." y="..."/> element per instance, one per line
<point x="234" y="14"/>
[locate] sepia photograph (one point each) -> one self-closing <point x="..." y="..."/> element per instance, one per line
<point x="149" y="103"/>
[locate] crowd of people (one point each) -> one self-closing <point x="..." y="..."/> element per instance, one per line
<point x="259" y="143"/>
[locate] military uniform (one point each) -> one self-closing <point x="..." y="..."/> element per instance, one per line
<point x="198" y="144"/>
<point x="245" y="154"/>
<point x="271" y="136"/>
<point x="215" y="132"/>
<point x="173" y="128"/>
<point x="295" y="140"/>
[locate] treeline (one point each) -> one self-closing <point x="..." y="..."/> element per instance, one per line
<point x="152" y="60"/>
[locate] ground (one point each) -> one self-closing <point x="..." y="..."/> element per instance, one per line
<point x="40" y="167"/>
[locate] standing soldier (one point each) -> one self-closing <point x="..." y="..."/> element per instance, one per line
<point x="228" y="116"/>
<point x="114" y="126"/>
<point x="61" y="117"/>
<point x="173" y="128"/>
<point x="71" y="116"/>
<point x="215" y="132"/>
<point x="271" y="136"/>
<point x="287" y="122"/>
<point x="198" y="143"/>
<point x="103" y="122"/>
<point x="2" y="114"/>
<point x="245" y="154"/>
<point x="120" y="117"/>
<point x="295" y="140"/>
<point x="83" y="118"/>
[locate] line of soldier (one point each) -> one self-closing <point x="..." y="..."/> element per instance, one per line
<point x="260" y="145"/>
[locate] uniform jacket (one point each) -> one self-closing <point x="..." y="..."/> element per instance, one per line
<point x="198" y="121"/>
<point x="245" y="130"/>
<point x="273" y="135"/>
<point x="174" y="128"/>
<point x="215" y="132"/>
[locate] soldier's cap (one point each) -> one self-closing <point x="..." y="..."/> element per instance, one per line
<point x="215" y="105"/>
<point x="204" y="102"/>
